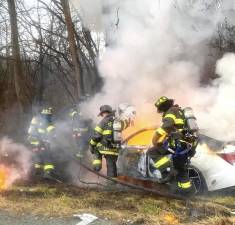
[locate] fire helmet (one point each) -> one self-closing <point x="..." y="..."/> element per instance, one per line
<point x="105" y="108"/>
<point x="47" y="114"/>
<point x="163" y="104"/>
<point x="47" y="111"/>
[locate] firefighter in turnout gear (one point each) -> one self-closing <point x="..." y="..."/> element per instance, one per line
<point x="105" y="140"/>
<point x="40" y="132"/>
<point x="81" y="128"/>
<point x="173" y="130"/>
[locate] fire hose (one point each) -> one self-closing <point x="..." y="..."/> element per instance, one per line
<point x="137" y="187"/>
<point x="148" y="190"/>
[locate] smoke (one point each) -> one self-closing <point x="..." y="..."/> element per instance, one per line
<point x="16" y="159"/>
<point x="220" y="115"/>
<point x="160" y="48"/>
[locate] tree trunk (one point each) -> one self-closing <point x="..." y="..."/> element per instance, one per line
<point x="18" y="69"/>
<point x="42" y="81"/>
<point x="72" y="45"/>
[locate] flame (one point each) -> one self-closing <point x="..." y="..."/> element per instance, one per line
<point x="4" y="174"/>
<point x="144" y="124"/>
<point x="146" y="118"/>
<point x="143" y="138"/>
<point x="170" y="218"/>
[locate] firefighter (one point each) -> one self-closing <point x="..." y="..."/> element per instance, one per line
<point x="173" y="129"/>
<point x="40" y="133"/>
<point x="81" y="128"/>
<point x="103" y="143"/>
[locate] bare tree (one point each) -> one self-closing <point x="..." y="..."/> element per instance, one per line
<point x="72" y="45"/>
<point x="18" y="68"/>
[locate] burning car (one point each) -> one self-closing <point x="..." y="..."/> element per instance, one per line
<point x="212" y="168"/>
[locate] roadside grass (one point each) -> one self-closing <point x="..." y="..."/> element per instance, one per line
<point x="126" y="207"/>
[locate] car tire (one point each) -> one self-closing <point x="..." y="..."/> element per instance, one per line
<point x="198" y="180"/>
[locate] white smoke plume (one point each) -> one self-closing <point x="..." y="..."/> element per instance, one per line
<point x="160" y="48"/>
<point x="219" y="116"/>
<point x="15" y="161"/>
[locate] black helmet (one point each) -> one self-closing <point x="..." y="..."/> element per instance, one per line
<point x="163" y="104"/>
<point x="47" y="114"/>
<point x="105" y="108"/>
<point x="47" y="111"/>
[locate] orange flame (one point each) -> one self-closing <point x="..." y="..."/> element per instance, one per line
<point x="143" y="138"/>
<point x="4" y="174"/>
<point x="170" y="218"/>
<point x="147" y="117"/>
<point x="147" y="123"/>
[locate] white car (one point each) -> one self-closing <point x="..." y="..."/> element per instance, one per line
<point x="214" y="164"/>
<point x="212" y="168"/>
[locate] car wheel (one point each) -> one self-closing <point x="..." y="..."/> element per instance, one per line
<point x="197" y="179"/>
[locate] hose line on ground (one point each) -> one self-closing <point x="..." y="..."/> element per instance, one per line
<point x="156" y="192"/>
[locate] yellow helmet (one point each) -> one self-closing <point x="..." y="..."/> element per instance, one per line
<point x="163" y="103"/>
<point x="160" y="101"/>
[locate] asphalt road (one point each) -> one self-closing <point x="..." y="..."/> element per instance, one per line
<point x="9" y="219"/>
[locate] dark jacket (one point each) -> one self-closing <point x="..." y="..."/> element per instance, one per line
<point x="102" y="137"/>
<point x="172" y="121"/>
<point x="40" y="129"/>
<point x="79" y="124"/>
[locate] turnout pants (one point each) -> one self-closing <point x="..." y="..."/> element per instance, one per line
<point x="184" y="183"/>
<point x="43" y="162"/>
<point x="158" y="155"/>
<point x="111" y="163"/>
<point x="82" y="143"/>
<point x="161" y="162"/>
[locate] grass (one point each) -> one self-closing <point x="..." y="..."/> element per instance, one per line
<point x="63" y="201"/>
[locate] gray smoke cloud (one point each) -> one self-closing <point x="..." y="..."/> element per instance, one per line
<point x="160" y="48"/>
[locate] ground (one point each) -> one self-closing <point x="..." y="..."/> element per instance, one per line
<point x="57" y="203"/>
